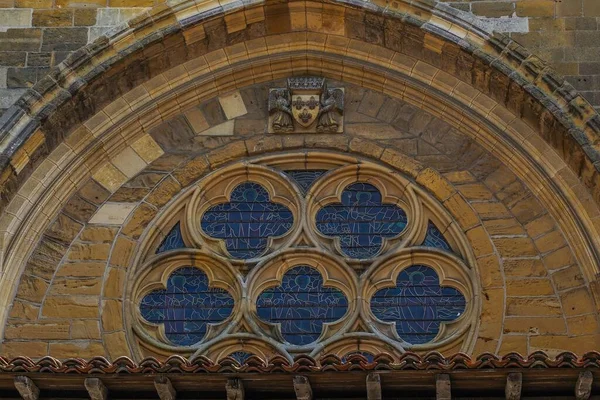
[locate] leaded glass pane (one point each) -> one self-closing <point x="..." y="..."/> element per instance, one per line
<point x="173" y="240"/>
<point x="247" y="221"/>
<point x="186" y="306"/>
<point x="240" y="356"/>
<point x="305" y="178"/>
<point x="418" y="304"/>
<point x="435" y="238"/>
<point x="301" y="305"/>
<point x="361" y="220"/>
<point x="369" y="356"/>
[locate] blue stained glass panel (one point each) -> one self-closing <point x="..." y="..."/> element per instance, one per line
<point x="361" y="220"/>
<point x="435" y="238"/>
<point x="369" y="356"/>
<point x="186" y="306"/>
<point x="418" y="304"/>
<point x="301" y="305"/>
<point x="306" y="178"/>
<point x="173" y="240"/>
<point x="247" y="221"/>
<point x="240" y="356"/>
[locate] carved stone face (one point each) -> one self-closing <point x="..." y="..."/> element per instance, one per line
<point x="305" y="108"/>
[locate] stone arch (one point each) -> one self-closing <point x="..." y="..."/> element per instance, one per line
<point x="106" y="98"/>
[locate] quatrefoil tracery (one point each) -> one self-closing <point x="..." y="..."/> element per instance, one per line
<point x="395" y="217"/>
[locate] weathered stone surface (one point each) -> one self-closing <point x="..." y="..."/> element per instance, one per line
<point x="112" y="315"/>
<point x="85" y="329"/>
<point x="38" y="331"/>
<point x="82" y="349"/>
<point x="139" y="220"/>
<point x="71" y="307"/>
<point x="75" y="286"/>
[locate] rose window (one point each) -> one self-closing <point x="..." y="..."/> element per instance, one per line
<point x="303" y="254"/>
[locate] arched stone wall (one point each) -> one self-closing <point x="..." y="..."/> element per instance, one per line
<point x="510" y="156"/>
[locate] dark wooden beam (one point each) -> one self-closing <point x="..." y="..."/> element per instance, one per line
<point x="26" y="388"/>
<point x="164" y="388"/>
<point x="514" y="385"/>
<point x="235" y="389"/>
<point x="96" y="389"/>
<point x="373" y="386"/>
<point x="583" y="387"/>
<point x="443" y="387"/>
<point x="302" y="388"/>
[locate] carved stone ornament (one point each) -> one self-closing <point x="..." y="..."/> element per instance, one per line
<point x="307" y="105"/>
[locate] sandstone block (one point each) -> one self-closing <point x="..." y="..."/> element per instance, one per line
<point x="75" y="286"/>
<point x="515" y="247"/>
<point x="568" y="278"/>
<point x="81" y="269"/>
<point x="535" y="325"/>
<point x="89" y="251"/>
<point x="33" y="349"/>
<point x="71" y="307"/>
<point x="531" y="267"/>
<point x="54" y="17"/>
<point x="113" y="286"/>
<point x="116" y="344"/>
<point x="122" y="252"/>
<point x="112" y="315"/>
<point x="140" y="218"/>
<point x="23" y="311"/>
<point x="85" y="329"/>
<point x="64" y="229"/>
<point x="505" y="226"/>
<point x="529" y="287"/>
<point x="64" y="39"/>
<point x="233" y="105"/>
<point x="38" y="331"/>
<point x="577" y="301"/>
<point x="533" y="306"/>
<point x="83" y="349"/>
<point x="98" y="234"/>
<point x="32" y="289"/>
<point x="192" y="171"/>
<point x="79" y="209"/>
<point x="113" y="213"/>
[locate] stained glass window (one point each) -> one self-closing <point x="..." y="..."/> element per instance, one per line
<point x="361" y="220"/>
<point x="247" y="221"/>
<point x="369" y="356"/>
<point x="418" y="304"/>
<point x="172" y="241"/>
<point x="186" y="306"/>
<point x="301" y="305"/>
<point x="305" y="178"/>
<point x="240" y="356"/>
<point x="435" y="238"/>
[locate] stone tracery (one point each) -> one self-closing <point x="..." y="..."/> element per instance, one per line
<point x="299" y="295"/>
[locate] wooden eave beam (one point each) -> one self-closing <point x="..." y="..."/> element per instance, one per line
<point x="302" y="388"/>
<point x="514" y="386"/>
<point x="373" y="386"/>
<point x="26" y="388"/>
<point x="96" y="389"/>
<point x="583" y="387"/>
<point x="164" y="388"/>
<point x="234" y="389"/>
<point x="443" y="387"/>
